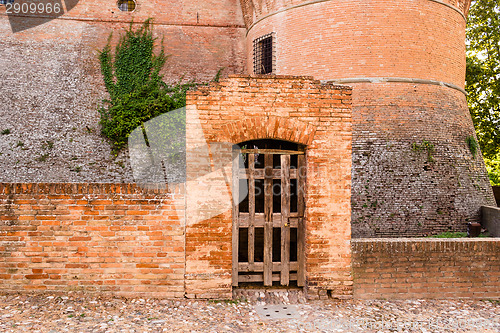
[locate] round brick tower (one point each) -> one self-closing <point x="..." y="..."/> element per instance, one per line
<point x="413" y="171"/>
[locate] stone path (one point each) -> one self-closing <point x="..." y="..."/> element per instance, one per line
<point x="80" y="313"/>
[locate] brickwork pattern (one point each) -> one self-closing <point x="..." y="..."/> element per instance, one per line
<point x="395" y="190"/>
<point x="398" y="191"/>
<point x="121" y="239"/>
<point x="297" y="109"/>
<point x="52" y="86"/>
<point x="91" y="237"/>
<point x="255" y="10"/>
<point x="426" y="268"/>
<point x="332" y="45"/>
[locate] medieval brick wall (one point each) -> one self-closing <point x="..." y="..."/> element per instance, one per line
<point x="92" y="237"/>
<point x="130" y="241"/>
<point x="296" y="109"/>
<point x="52" y="86"/>
<point x="426" y="268"/>
<point x="400" y="191"/>
<point x="428" y="43"/>
<point x="407" y="88"/>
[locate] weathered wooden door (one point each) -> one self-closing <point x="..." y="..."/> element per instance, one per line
<point x="268" y="224"/>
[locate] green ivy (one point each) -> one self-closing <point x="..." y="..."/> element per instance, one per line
<point x="135" y="86"/>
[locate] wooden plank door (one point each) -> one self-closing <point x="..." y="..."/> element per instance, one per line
<point x="268" y="226"/>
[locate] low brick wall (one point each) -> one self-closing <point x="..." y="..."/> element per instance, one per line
<point x="490" y="219"/>
<point x="426" y="268"/>
<point x="91" y="237"/>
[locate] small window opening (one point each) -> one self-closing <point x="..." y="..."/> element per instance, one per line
<point x="126" y="5"/>
<point x="263" y="54"/>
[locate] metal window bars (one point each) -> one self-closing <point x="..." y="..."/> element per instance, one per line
<point x="263" y="54"/>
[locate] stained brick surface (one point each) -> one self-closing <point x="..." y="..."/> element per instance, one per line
<point x="52" y="86"/>
<point x="398" y="191"/>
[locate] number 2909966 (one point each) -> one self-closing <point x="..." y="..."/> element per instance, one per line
<point x="33" y="8"/>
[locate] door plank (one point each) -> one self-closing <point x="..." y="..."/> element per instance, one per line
<point x="258" y="278"/>
<point x="259" y="267"/>
<point x="301" y="230"/>
<point x="235" y="229"/>
<point x="268" y="213"/>
<point x="244" y="220"/>
<point x="251" y="208"/>
<point x="285" y="213"/>
<point x="260" y="174"/>
<point x="272" y="151"/>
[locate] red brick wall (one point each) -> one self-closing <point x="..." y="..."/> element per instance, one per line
<point x="119" y="238"/>
<point x="255" y="10"/>
<point x="91" y="237"/>
<point x="416" y="39"/>
<point x="52" y="85"/>
<point x="426" y="268"/>
<point x="297" y="109"/>
<point x="420" y="47"/>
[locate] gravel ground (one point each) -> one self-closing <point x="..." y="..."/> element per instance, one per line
<point x="81" y="313"/>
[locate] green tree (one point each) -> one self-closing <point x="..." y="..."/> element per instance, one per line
<point x="135" y="86"/>
<point x="483" y="78"/>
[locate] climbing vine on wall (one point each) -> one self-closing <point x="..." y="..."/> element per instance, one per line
<point x="136" y="90"/>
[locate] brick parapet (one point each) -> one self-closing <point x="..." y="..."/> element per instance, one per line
<point x="426" y="268"/>
<point x="91" y="237"/>
<point x="255" y="11"/>
<point x="87" y="188"/>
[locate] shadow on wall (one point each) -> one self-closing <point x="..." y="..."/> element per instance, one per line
<point x="490" y="219"/>
<point x="496" y="192"/>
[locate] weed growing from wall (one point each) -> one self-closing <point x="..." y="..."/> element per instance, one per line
<point x="136" y="89"/>
<point x="473" y="145"/>
<point x="427" y="146"/>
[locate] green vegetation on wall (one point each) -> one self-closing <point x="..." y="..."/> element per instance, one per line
<point x="493" y="167"/>
<point x="135" y="86"/>
<point x="427" y="146"/>
<point x="472" y="144"/>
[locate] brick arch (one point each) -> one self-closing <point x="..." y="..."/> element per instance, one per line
<point x="272" y="127"/>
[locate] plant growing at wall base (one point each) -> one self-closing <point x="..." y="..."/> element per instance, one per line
<point x="136" y="89"/>
<point x="473" y="145"/>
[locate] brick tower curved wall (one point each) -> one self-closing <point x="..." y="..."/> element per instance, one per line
<point x="406" y="63"/>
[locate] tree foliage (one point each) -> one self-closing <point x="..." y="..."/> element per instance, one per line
<point x="483" y="79"/>
<point x="135" y="86"/>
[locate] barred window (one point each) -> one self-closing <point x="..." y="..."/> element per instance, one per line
<point x="125" y="5"/>
<point x="4" y="2"/>
<point x="263" y="55"/>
